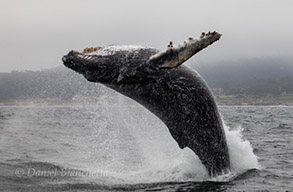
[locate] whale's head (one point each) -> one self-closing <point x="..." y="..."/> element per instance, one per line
<point x="133" y="64"/>
<point x="112" y="64"/>
<point x="93" y="67"/>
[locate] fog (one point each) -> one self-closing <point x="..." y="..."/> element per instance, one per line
<point x="36" y="34"/>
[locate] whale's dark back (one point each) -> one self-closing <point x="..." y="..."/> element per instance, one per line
<point x="183" y="101"/>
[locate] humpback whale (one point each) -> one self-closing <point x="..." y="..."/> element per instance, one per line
<point x="176" y="94"/>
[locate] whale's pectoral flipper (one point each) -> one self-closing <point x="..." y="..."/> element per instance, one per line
<point x="175" y="56"/>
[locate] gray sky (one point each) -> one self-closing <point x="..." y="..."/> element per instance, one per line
<point x="35" y="34"/>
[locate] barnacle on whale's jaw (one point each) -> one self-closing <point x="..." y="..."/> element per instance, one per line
<point x="81" y="61"/>
<point x="91" y="49"/>
<point x="91" y="64"/>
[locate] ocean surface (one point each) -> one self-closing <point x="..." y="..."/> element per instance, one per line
<point x="120" y="146"/>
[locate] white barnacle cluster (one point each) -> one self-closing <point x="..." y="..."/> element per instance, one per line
<point x="185" y="44"/>
<point x="192" y="44"/>
<point x="112" y="49"/>
<point x="125" y="47"/>
<point x="192" y="41"/>
<point x="180" y="53"/>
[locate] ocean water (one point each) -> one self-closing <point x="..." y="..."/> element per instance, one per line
<point x="120" y="146"/>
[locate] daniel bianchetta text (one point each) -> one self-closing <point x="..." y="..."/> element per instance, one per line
<point x="57" y="172"/>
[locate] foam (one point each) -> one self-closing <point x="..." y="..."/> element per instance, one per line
<point x="240" y="150"/>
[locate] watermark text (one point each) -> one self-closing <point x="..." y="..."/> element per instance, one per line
<point x="57" y="172"/>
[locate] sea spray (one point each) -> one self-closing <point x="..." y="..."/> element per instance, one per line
<point x="161" y="158"/>
<point x="134" y="146"/>
<point x="240" y="150"/>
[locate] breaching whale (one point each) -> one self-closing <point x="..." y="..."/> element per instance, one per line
<point x="175" y="93"/>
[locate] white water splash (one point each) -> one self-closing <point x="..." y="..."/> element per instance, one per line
<point x="149" y="153"/>
<point x="240" y="150"/>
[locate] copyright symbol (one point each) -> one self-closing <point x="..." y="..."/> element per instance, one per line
<point x="19" y="172"/>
